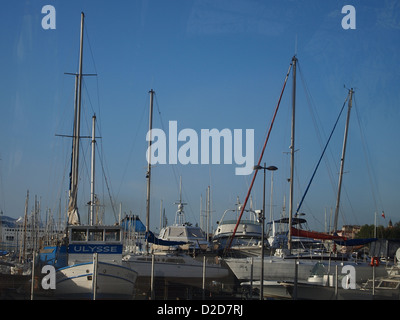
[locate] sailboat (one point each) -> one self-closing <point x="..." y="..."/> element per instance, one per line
<point x="289" y="266"/>
<point x="92" y="254"/>
<point x="160" y="259"/>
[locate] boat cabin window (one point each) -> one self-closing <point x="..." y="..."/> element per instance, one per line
<point x="113" y="235"/>
<point x="177" y="232"/>
<point x="95" y="235"/>
<point x="78" y="235"/>
<point x="249" y="222"/>
<point x="196" y="233"/>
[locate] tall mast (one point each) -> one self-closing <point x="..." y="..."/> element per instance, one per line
<point x="23" y="247"/>
<point x="148" y="175"/>
<point x="208" y="211"/>
<point x="201" y="212"/>
<point x="292" y="151"/>
<point x="335" y="225"/>
<point x="73" y="214"/>
<point x="92" y="194"/>
<point x="161" y="215"/>
<point x="259" y="161"/>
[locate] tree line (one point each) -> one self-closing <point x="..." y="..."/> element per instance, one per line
<point x="390" y="232"/>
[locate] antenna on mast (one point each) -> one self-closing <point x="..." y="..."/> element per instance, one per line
<point x="180" y="214"/>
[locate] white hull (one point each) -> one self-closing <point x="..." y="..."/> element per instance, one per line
<point x="113" y="281"/>
<point x="173" y="266"/>
<point x="281" y="269"/>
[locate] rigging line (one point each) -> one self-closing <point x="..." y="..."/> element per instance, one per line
<point x="319" y="161"/>
<point x="316" y="120"/>
<point x="63" y="179"/>
<point x="260" y="159"/>
<point x="311" y="104"/>
<point x="329" y="171"/>
<point x="105" y="171"/>
<point x="173" y="166"/>
<point x="371" y="176"/>
<point x="159" y="112"/>
<point x="83" y="171"/>
<point x="132" y="147"/>
<point x="90" y="47"/>
<point x="53" y="173"/>
<point x="97" y="80"/>
<point x="349" y="203"/>
<point x="188" y="204"/>
<point x="108" y="188"/>
<point x="91" y="105"/>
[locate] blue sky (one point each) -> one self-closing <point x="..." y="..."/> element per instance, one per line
<point x="213" y="64"/>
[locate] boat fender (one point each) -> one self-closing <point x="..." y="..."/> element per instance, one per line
<point x="374" y="261"/>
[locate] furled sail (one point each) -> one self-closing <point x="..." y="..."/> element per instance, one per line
<point x="73" y="214"/>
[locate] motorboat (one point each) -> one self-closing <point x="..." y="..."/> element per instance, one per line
<point x="247" y="238"/>
<point x="186" y="236"/>
<point x="94" y="269"/>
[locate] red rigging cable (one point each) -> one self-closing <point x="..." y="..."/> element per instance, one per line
<point x="261" y="156"/>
